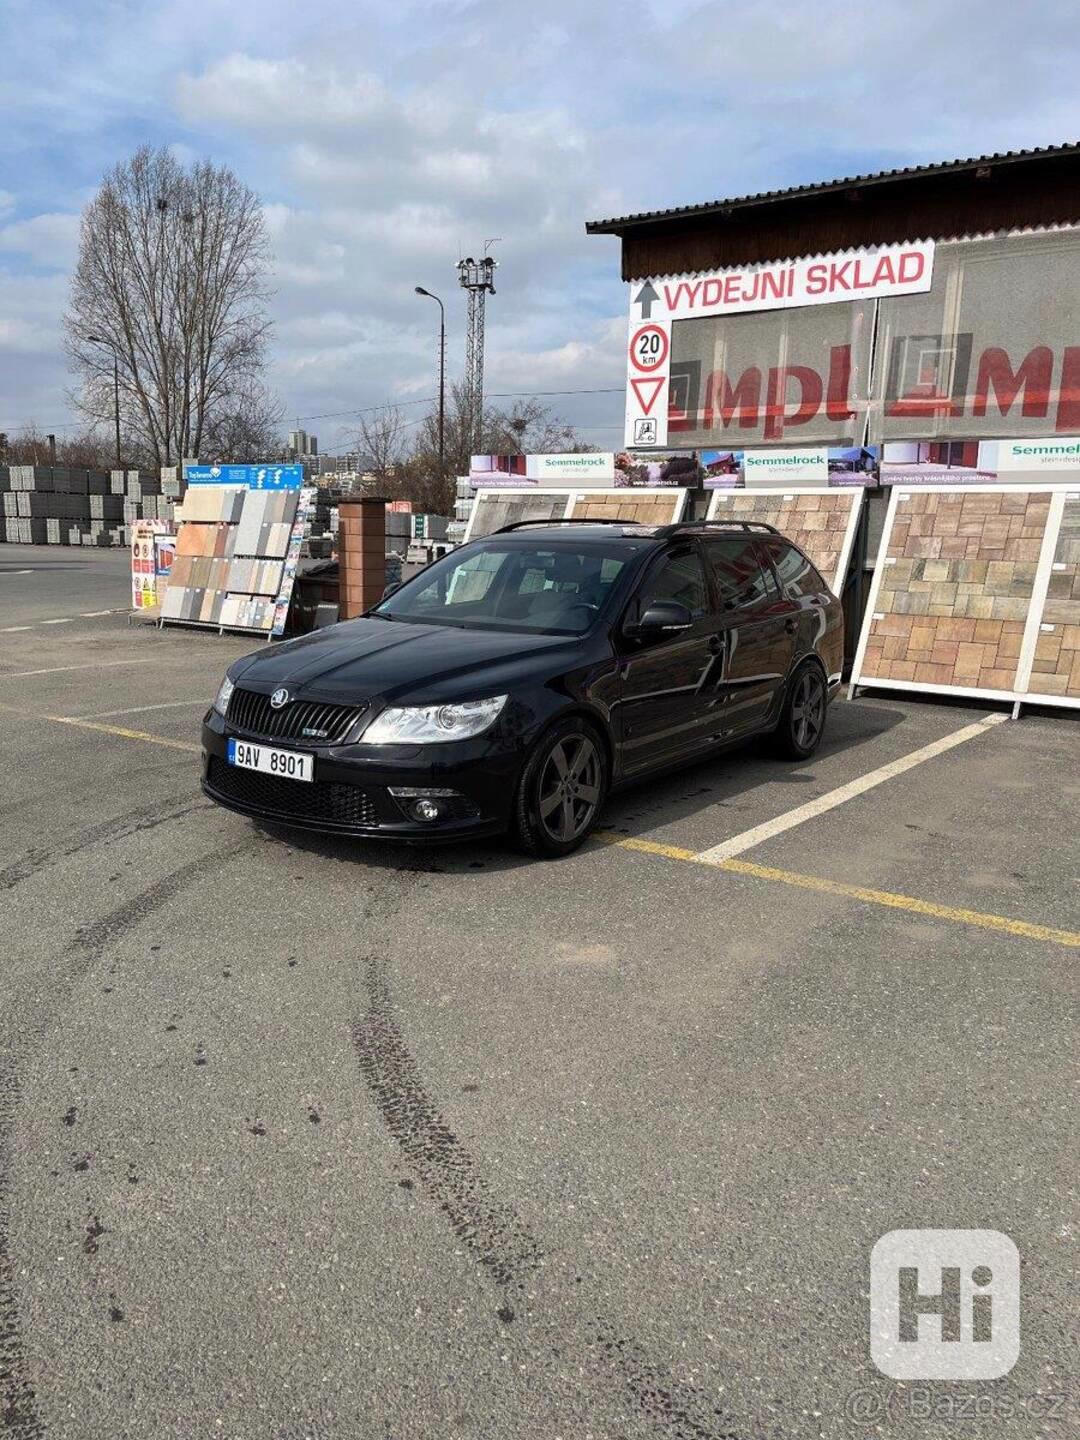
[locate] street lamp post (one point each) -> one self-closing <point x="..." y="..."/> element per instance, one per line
<point x="100" y="340"/>
<point x="442" y="378"/>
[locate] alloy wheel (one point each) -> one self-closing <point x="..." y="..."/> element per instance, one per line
<point x="570" y="788"/>
<point x="808" y="710"/>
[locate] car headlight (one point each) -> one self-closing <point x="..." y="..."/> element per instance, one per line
<point x="422" y="724"/>
<point x="224" y="695"/>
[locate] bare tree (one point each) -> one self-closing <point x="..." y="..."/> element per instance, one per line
<point x="31" y="446"/>
<point x="170" y="282"/>
<point x="247" y="429"/>
<point x="382" y="436"/>
<point x="527" y="426"/>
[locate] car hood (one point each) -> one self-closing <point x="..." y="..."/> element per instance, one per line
<point x="361" y="660"/>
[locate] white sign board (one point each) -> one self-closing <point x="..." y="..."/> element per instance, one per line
<point x="785" y="467"/>
<point x="779" y="285"/>
<point x="572" y="469"/>
<point x="1061" y="453"/>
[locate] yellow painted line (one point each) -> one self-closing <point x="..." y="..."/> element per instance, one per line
<point x="887" y="898"/>
<point x="904" y="902"/>
<point x="142" y="735"/>
<point x="648" y="847"/>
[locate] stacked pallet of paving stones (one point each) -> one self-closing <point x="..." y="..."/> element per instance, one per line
<point x="56" y="505"/>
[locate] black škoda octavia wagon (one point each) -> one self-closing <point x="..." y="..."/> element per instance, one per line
<point x="511" y="685"/>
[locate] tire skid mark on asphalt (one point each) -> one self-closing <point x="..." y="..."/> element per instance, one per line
<point x="19" y="1415"/>
<point x="132" y="822"/>
<point x="491" y="1229"/>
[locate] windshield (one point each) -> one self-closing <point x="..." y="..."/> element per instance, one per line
<point x="556" y="588"/>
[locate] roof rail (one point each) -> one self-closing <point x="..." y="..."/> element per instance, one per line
<point x="718" y="525"/>
<point x="582" y="520"/>
<point x="660" y="531"/>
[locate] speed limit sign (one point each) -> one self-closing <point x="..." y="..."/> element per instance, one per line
<point x="649" y="347"/>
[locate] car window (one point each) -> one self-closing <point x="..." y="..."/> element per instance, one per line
<point x="678" y="577"/>
<point x="471" y="581"/>
<point x="797" y="575"/>
<point x="741" y="580"/>
<point x="547" y="587"/>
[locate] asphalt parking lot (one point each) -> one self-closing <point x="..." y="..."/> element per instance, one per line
<point x="308" y="1138"/>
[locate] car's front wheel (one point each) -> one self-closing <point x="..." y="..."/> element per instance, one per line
<point x="802" y="720"/>
<point x="561" y="790"/>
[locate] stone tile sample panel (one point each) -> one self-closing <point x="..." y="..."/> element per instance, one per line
<point x="495" y="508"/>
<point x="954" y="589"/>
<point x="821" y="522"/>
<point x="1055" y="669"/>
<point x="636" y="507"/>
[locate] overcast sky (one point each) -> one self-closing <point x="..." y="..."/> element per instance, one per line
<point x="386" y="139"/>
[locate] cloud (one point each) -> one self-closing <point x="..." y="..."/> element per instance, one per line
<point x="394" y="187"/>
<point x="387" y="141"/>
<point x="50" y="240"/>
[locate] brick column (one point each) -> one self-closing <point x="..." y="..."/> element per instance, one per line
<point x="361" y="555"/>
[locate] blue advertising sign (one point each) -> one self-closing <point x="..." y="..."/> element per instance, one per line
<point x="254" y="477"/>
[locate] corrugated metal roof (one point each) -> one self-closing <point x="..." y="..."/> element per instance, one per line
<point x="795" y="192"/>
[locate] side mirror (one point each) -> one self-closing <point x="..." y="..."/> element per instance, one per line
<point x="390" y="589"/>
<point x="663" y="617"/>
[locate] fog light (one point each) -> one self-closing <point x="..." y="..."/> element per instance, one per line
<point x="427" y="802"/>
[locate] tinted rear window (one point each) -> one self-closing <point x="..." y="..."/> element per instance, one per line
<point x="797" y="575"/>
<point x="738" y="573"/>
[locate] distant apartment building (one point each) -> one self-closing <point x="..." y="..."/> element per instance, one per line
<point x="301" y="445"/>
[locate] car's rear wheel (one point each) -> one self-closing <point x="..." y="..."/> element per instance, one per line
<point x="561" y="790"/>
<point x="802" y="720"/>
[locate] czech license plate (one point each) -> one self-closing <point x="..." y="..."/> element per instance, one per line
<point x="271" y="761"/>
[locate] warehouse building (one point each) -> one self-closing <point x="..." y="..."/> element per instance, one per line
<point x="910" y="326"/>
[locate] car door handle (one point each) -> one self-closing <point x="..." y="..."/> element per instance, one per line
<point x="716" y="644"/>
<point x="791" y="626"/>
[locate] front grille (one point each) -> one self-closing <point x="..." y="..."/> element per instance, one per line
<point x="292" y="799"/>
<point x="252" y="714"/>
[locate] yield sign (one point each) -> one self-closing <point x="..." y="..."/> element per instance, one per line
<point x="646" y="392"/>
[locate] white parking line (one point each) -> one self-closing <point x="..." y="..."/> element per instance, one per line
<point x="64" y="620"/>
<point x="203" y="704"/>
<point x="15" y="572"/>
<point x="760" y="833"/>
<point x="58" y="669"/>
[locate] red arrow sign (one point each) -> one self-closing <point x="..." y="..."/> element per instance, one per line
<point x="641" y="388"/>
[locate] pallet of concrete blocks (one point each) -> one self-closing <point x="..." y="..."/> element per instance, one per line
<point x="976" y="592"/>
<point x="172" y="485"/>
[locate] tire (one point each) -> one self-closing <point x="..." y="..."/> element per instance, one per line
<point x="561" y="791"/>
<point x="802" y="720"/>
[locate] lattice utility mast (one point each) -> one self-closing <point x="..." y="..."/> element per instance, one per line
<point x="477" y="279"/>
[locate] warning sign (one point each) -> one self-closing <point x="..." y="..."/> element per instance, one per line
<point x="647" y="392"/>
<point x="144" y="594"/>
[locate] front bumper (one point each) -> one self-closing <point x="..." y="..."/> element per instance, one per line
<point x="350" y="794"/>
